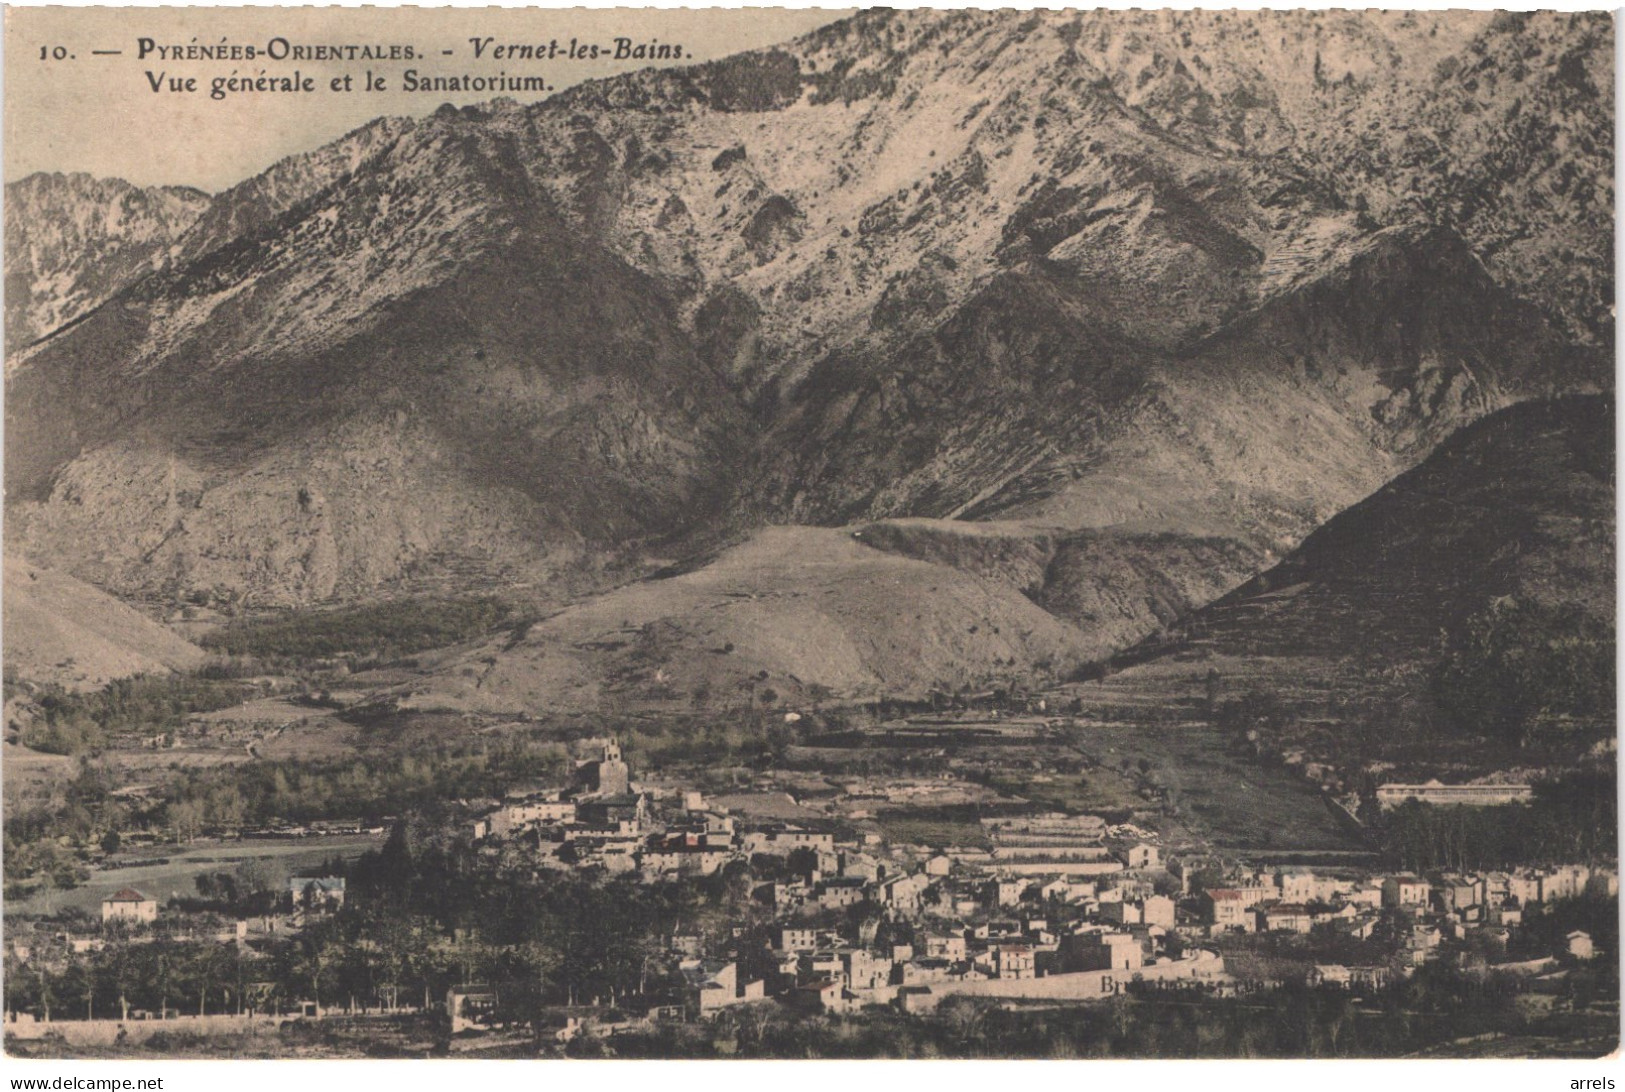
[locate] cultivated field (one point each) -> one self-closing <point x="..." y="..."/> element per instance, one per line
<point x="173" y="873"/>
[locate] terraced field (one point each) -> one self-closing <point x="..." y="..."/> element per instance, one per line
<point x="1147" y="722"/>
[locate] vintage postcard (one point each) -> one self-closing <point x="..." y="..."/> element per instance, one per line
<point x="541" y="533"/>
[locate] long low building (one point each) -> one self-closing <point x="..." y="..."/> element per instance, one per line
<point x="1392" y="794"/>
<point x="1055" y="823"/>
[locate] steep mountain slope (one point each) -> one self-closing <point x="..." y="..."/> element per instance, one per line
<point x="1021" y="406"/>
<point x="61" y="630"/>
<point x="1514" y="512"/>
<point x="1079" y="272"/>
<point x="253" y="206"/>
<point x="1517" y="507"/>
<point x="792" y="614"/>
<point x="393" y="372"/>
<point x="1519" y="504"/>
<point x="73" y="240"/>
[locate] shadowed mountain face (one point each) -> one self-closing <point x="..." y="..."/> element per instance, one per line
<point x="1182" y="284"/>
<point x="1020" y="407"/>
<point x="1519" y="504"/>
<point x="1496" y="554"/>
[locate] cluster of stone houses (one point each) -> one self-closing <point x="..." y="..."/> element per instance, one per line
<point x="989" y="933"/>
<point x="600" y="820"/>
<point x="1048" y="906"/>
<point x="1119" y="933"/>
<point x="1043" y="907"/>
<point x="1431" y="909"/>
<point x="915" y="964"/>
<point x="958" y="921"/>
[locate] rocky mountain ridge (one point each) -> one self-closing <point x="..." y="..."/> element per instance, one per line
<point x="1191" y="275"/>
<point x="73" y="240"/>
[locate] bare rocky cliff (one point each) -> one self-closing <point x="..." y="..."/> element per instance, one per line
<point x="73" y="240"/>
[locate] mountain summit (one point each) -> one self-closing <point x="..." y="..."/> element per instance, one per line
<point x="1205" y="276"/>
<point x="73" y="240"/>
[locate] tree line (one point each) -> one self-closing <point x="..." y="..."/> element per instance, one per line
<point x="1571" y="819"/>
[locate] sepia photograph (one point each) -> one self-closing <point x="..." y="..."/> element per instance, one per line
<point x="762" y="533"/>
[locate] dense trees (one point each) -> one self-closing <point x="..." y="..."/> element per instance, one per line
<point x="539" y="943"/>
<point x="1572" y="818"/>
<point x="437" y="914"/>
<point x="67" y="723"/>
<point x="163" y="975"/>
<point x="361" y="785"/>
<point x="56" y="838"/>
<point x="1522" y="670"/>
<point x="373" y="631"/>
<point x="1257" y="708"/>
<point x="246" y="890"/>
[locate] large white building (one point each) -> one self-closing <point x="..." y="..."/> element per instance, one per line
<point x="1435" y="792"/>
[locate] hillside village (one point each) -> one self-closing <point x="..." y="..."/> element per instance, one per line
<point x="841" y="922"/>
<point x="1060" y="907"/>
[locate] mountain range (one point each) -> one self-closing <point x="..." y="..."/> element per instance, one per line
<point x="1070" y="323"/>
